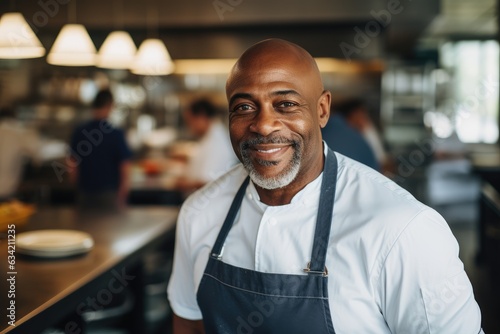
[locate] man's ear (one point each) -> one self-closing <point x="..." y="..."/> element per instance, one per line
<point x="324" y="108"/>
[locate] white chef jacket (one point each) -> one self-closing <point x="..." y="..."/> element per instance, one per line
<point x="16" y="144"/>
<point x="213" y="155"/>
<point x="393" y="262"/>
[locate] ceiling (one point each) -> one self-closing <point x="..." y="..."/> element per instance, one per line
<point x="224" y="28"/>
<point x="463" y="19"/>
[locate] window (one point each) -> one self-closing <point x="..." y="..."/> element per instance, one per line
<point x="473" y="89"/>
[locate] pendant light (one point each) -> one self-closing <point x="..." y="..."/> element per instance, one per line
<point x="73" y="45"/>
<point x="153" y="57"/>
<point x="118" y="50"/>
<point x="17" y="39"/>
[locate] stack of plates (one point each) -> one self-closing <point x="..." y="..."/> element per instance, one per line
<point x="53" y="243"/>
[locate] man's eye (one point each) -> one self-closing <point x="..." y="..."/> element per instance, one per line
<point x="242" y="108"/>
<point x="286" y="105"/>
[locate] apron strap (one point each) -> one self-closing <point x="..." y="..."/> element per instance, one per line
<point x="228" y="223"/>
<point x="324" y="218"/>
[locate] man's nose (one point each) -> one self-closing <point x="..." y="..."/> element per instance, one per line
<point x="266" y="121"/>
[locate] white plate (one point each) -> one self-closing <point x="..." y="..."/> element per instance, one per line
<point x="53" y="243"/>
<point x="53" y="254"/>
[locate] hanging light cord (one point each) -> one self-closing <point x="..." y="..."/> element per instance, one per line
<point x="152" y="21"/>
<point x="72" y="11"/>
<point x="118" y="16"/>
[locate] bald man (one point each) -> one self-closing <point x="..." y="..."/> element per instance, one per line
<point x="300" y="239"/>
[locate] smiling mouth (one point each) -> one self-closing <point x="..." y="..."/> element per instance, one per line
<point x="268" y="155"/>
<point x="266" y="151"/>
<point x="269" y="150"/>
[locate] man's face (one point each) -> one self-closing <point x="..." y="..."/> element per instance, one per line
<point x="274" y="121"/>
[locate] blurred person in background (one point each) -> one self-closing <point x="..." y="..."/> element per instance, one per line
<point x="213" y="156"/>
<point x="355" y="112"/>
<point x="102" y="159"/>
<point x="17" y="143"/>
<point x="342" y="138"/>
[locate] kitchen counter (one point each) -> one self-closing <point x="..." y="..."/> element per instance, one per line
<point x="41" y="185"/>
<point x="48" y="291"/>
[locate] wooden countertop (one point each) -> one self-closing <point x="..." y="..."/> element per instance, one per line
<point x="46" y="290"/>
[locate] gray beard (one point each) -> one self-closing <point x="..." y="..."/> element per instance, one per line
<point x="280" y="181"/>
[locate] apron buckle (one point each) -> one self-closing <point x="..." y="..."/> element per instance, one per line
<point x="216" y="256"/>
<point x="308" y="270"/>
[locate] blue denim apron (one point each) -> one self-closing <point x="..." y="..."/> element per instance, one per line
<point x="235" y="300"/>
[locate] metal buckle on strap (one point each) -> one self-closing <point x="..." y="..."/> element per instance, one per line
<point x="309" y="271"/>
<point x="216" y="256"/>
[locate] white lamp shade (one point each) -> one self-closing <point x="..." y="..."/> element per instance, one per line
<point x="117" y="51"/>
<point x="152" y="59"/>
<point x="17" y="39"/>
<point x="73" y="47"/>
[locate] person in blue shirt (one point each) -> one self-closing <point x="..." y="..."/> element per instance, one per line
<point x="343" y="138"/>
<point x="102" y="159"/>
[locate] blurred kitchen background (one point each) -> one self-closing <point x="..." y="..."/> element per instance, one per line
<point x="427" y="70"/>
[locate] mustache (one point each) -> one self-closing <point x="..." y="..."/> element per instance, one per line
<point x="249" y="143"/>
